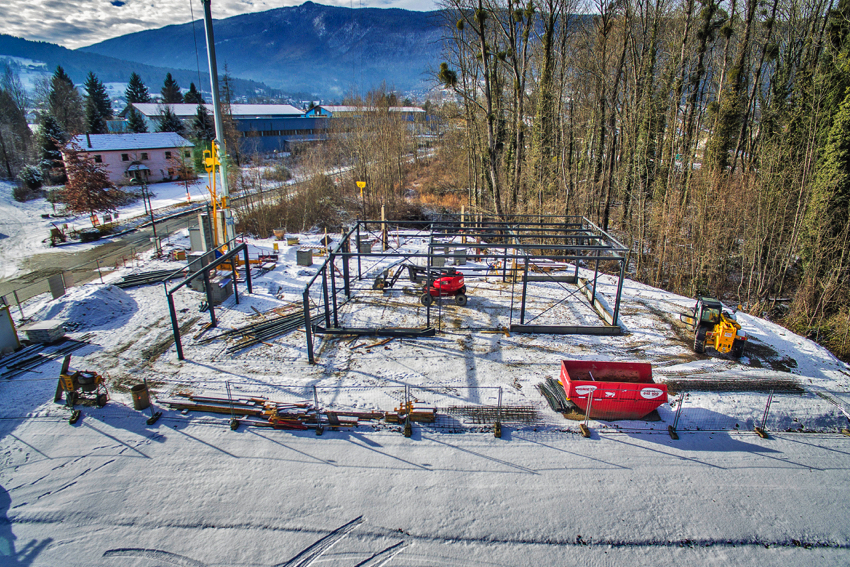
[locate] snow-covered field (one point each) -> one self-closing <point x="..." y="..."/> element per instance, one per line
<point x="24" y="232"/>
<point x="188" y="491"/>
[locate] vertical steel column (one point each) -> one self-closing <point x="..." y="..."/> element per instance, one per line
<point x="359" y="275"/>
<point x="595" y="276"/>
<point x="619" y="293"/>
<point x="207" y="288"/>
<point x="333" y="289"/>
<point x="524" y="290"/>
<point x="325" y="295"/>
<point x="174" y="326"/>
<point x="346" y="268"/>
<point x="428" y="278"/>
<point x="505" y="266"/>
<point x="234" y="276"/>
<point x="247" y="270"/>
<point x="308" y="331"/>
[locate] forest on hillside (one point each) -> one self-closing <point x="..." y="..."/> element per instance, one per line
<point x="712" y="137"/>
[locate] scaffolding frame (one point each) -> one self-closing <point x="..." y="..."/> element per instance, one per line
<point x="528" y="240"/>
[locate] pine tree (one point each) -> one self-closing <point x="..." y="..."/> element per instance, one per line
<point x="171" y="91"/>
<point x="50" y="138"/>
<point x="135" y="122"/>
<point x="65" y="103"/>
<point x="98" y="106"/>
<point x="193" y="96"/>
<point x="89" y="189"/>
<point x="136" y="90"/>
<point x="169" y="122"/>
<point x="203" y="128"/>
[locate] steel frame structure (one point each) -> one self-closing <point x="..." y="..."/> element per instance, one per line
<point x="204" y="272"/>
<point x="523" y="239"/>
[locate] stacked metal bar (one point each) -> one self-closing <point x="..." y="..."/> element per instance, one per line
<point x="29" y="359"/>
<point x="734" y="384"/>
<point x="554" y="393"/>
<point x="256" y="333"/>
<point x="146" y="278"/>
<point x="262" y="412"/>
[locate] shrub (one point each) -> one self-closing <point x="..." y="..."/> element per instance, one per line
<point x="31" y="177"/>
<point x="277" y="173"/>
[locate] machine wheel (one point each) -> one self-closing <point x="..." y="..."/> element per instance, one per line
<point x="460" y="299"/>
<point x="426" y="299"/>
<point x="699" y="340"/>
<point x="101" y="400"/>
<point x="738" y="348"/>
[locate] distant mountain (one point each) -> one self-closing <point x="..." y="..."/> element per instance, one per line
<point x="109" y="69"/>
<point x="324" y="50"/>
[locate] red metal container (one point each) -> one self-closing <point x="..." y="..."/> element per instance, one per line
<point x="621" y="390"/>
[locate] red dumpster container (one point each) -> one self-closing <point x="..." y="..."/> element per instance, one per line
<point x="621" y="390"/>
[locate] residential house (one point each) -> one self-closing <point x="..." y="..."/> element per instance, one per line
<point x="151" y="157"/>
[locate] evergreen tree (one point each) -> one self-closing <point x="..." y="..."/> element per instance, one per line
<point x="135" y="122"/>
<point x="203" y="128"/>
<point x="169" y="122"/>
<point x="171" y="91"/>
<point x="98" y="106"/>
<point x="136" y="90"/>
<point x="65" y="103"/>
<point x="50" y="138"/>
<point x="193" y="96"/>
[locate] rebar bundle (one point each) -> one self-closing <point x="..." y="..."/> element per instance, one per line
<point x="20" y="365"/>
<point x="486" y="415"/>
<point x="554" y="393"/>
<point x="146" y="278"/>
<point x="255" y="333"/>
<point x="734" y="384"/>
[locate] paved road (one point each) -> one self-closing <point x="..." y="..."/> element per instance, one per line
<point x="81" y="266"/>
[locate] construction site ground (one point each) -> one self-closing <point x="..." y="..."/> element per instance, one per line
<point x="112" y="490"/>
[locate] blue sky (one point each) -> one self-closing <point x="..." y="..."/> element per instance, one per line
<point x="77" y="23"/>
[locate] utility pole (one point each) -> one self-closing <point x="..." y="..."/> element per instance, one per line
<point x="219" y="124"/>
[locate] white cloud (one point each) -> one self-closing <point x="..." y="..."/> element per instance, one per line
<point x="77" y="23"/>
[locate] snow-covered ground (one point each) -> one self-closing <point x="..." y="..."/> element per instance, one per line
<point x="188" y="491"/>
<point x="24" y="232"/>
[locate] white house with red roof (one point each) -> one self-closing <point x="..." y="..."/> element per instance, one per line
<point x="152" y="157"/>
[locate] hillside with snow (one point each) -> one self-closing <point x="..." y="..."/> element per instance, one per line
<point x="189" y="491"/>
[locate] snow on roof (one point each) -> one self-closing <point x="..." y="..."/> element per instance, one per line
<point x="115" y="142"/>
<point x="343" y="108"/>
<point x="151" y="110"/>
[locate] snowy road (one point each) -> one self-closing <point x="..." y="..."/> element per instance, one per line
<point x="261" y="497"/>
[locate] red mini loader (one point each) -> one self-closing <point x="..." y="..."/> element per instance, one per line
<point x="449" y="284"/>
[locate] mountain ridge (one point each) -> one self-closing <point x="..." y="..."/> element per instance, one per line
<point x="313" y="48"/>
<point x="109" y="69"/>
